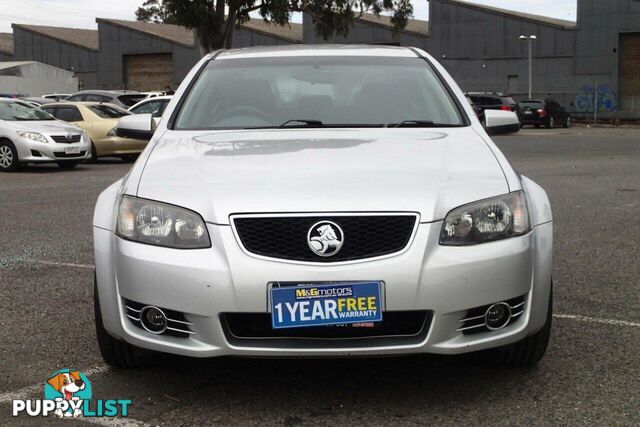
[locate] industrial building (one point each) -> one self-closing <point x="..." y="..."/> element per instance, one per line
<point x="595" y="58"/>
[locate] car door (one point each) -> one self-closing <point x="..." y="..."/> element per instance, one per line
<point x="109" y="116"/>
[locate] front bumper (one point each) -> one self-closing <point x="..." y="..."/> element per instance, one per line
<point x="39" y="152"/>
<point x="203" y="284"/>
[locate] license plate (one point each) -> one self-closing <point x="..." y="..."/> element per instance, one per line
<point x="528" y="112"/>
<point x="325" y="304"/>
<point x="71" y="150"/>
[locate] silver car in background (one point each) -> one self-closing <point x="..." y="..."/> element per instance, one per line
<point x="322" y="201"/>
<point x="30" y="135"/>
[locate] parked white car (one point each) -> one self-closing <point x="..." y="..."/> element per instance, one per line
<point x="56" y="96"/>
<point x="154" y="106"/>
<point x="309" y="201"/>
<point x="30" y="135"/>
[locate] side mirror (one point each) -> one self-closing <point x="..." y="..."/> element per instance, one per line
<point x="498" y="122"/>
<point x="136" y="126"/>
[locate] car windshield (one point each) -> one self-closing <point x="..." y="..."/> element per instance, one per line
<point x="108" y="111"/>
<point x="318" y="92"/>
<point x="531" y="104"/>
<point x="13" y="111"/>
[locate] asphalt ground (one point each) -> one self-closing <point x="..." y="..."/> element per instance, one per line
<point x="590" y="374"/>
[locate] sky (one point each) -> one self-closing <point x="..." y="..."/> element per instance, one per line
<point x="82" y="13"/>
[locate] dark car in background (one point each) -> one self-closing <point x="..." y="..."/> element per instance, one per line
<point x="121" y="98"/>
<point x="493" y="101"/>
<point x="547" y="112"/>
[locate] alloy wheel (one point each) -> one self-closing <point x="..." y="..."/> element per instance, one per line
<point x="6" y="157"/>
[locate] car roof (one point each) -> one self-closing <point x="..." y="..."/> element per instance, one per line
<point x="316" y="50"/>
<point x="81" y="103"/>
<point x="108" y="92"/>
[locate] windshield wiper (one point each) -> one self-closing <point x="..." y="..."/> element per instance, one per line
<point x="422" y="124"/>
<point x="413" y="123"/>
<point x="302" y="122"/>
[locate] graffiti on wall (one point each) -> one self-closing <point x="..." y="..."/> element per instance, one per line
<point x="607" y="99"/>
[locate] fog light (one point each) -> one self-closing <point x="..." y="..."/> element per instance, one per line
<point x="497" y="316"/>
<point x="153" y="320"/>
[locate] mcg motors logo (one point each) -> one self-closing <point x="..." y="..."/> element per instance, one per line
<point x="325" y="238"/>
<point x="68" y="394"/>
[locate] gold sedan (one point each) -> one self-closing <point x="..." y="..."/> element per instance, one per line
<point x="99" y="121"/>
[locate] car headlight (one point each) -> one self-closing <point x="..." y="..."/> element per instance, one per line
<point x="112" y="132"/>
<point x="486" y="220"/>
<point x="34" y="136"/>
<point x="161" y="224"/>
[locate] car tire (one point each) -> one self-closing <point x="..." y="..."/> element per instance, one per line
<point x="94" y="154"/>
<point x="530" y="350"/>
<point x="9" y="161"/>
<point x="68" y="165"/>
<point x="567" y="123"/>
<point x="550" y="123"/>
<point x="116" y="353"/>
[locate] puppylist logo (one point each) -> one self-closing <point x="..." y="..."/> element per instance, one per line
<point x="68" y="393"/>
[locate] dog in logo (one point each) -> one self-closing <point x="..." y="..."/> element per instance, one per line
<point x="327" y="241"/>
<point x="67" y="384"/>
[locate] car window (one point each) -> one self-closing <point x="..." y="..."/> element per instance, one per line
<point x="92" y="97"/>
<point x="76" y="98"/>
<point x="507" y="100"/>
<point x="486" y="100"/>
<point x="67" y="113"/>
<point x="131" y="99"/>
<point x="155" y="108"/>
<point x="108" y="111"/>
<point x="13" y="111"/>
<point x="337" y="91"/>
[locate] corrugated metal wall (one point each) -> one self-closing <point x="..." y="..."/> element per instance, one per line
<point x="29" y="46"/>
<point x="482" y="51"/>
<point x="116" y="42"/>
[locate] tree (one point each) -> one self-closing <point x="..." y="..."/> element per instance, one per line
<point x="154" y="11"/>
<point x="213" y="21"/>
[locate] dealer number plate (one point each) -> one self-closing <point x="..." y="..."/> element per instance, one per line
<point x="71" y="150"/>
<point x="325" y="304"/>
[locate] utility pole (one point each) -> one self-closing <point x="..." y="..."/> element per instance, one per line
<point x="530" y="39"/>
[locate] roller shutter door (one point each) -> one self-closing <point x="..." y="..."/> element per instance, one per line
<point x="629" y="68"/>
<point x="148" y="72"/>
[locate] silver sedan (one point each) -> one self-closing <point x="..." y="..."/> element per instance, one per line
<point x="29" y="135"/>
<point x="322" y="201"/>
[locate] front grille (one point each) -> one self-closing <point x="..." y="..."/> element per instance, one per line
<point x="62" y="155"/>
<point x="177" y="323"/>
<point x="473" y="320"/>
<point x="62" y="139"/>
<point x="243" y="327"/>
<point x="364" y="236"/>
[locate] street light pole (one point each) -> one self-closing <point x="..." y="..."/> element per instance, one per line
<point x="530" y="39"/>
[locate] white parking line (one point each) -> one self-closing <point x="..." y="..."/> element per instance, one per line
<point x="26" y="392"/>
<point x="62" y="264"/>
<point x="580" y="318"/>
